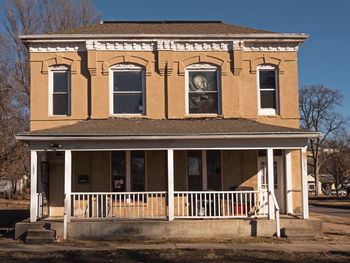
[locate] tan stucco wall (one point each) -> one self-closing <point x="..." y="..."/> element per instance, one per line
<point x="239" y="169"/>
<point x="156" y="171"/>
<point x="165" y="90"/>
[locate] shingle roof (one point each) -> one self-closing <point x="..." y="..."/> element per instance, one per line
<point x="163" y="27"/>
<point x="148" y="127"/>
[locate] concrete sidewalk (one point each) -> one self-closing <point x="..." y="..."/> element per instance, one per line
<point x="313" y="246"/>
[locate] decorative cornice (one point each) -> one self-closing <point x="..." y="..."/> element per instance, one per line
<point x="170" y="45"/>
<point x="56" y="47"/>
<point x="270" y="46"/>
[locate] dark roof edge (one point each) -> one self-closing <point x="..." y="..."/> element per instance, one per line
<point x="160" y="21"/>
<point x="81" y="37"/>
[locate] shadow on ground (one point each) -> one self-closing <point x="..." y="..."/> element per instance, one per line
<point x="8" y="219"/>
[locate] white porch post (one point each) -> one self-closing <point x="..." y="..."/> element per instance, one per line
<point x="170" y="184"/>
<point x="289" y="184"/>
<point x="33" y="186"/>
<point x="67" y="190"/>
<point x="304" y="189"/>
<point x="270" y="182"/>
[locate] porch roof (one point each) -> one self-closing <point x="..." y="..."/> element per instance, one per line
<point x="165" y="129"/>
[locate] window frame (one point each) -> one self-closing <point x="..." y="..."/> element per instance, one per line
<point x="52" y="71"/>
<point x="129" y="67"/>
<point x="199" y="67"/>
<point x="268" y="111"/>
<point x="204" y="169"/>
<point x="128" y="170"/>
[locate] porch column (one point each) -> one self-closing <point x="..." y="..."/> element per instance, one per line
<point x="289" y="184"/>
<point x="67" y="189"/>
<point x="33" y="186"/>
<point x="270" y="182"/>
<point x="170" y="184"/>
<point x="304" y="189"/>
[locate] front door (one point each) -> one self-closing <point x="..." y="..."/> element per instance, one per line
<point x="278" y="179"/>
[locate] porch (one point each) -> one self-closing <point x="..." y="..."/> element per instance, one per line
<point x="231" y="173"/>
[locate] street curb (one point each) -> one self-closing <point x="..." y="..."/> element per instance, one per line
<point x="331" y="206"/>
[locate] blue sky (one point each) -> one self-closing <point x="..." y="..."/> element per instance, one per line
<point x="323" y="59"/>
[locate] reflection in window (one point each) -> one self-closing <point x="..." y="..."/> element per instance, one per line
<point x="118" y="172"/>
<point x="128" y="89"/>
<point x="214" y="170"/>
<point x="203" y="90"/>
<point x="194" y="166"/>
<point x="138" y="171"/>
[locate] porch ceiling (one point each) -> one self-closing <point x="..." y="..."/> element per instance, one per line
<point x="143" y="129"/>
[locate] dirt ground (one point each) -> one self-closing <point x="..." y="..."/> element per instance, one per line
<point x="178" y="255"/>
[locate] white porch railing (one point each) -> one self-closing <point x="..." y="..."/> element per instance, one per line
<point x="118" y="205"/>
<point x="42" y="210"/>
<point x="223" y="204"/>
<point x="199" y="204"/>
<point x="277" y="214"/>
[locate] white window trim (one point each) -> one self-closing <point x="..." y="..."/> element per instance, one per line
<point x="120" y="68"/>
<point x="204" y="168"/>
<point x="267" y="111"/>
<point x="202" y="67"/>
<point x="61" y="69"/>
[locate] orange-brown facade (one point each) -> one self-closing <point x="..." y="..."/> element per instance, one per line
<point x="165" y="84"/>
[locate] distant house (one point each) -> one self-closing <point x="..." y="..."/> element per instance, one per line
<point x="325" y="184"/>
<point x="173" y="120"/>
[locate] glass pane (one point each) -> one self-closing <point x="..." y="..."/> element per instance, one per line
<point x="194" y="162"/>
<point x="267" y="79"/>
<point x="128" y="80"/>
<point x="203" y="103"/>
<point x="202" y="81"/>
<point x="127" y="103"/>
<point x="268" y="99"/>
<point x="138" y="171"/>
<point x="214" y="170"/>
<point x="60" y="104"/>
<point x="118" y="172"/>
<point x="60" y="82"/>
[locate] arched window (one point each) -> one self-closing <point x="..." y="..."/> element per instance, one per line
<point x="267" y="78"/>
<point x="127" y="89"/>
<point x="59" y="90"/>
<point x="202" y="89"/>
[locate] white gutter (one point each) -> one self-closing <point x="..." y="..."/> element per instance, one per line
<point x="165" y="137"/>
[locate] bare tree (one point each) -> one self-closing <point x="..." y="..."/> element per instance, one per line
<point x="22" y="17"/>
<point x="317" y="113"/>
<point x="337" y="161"/>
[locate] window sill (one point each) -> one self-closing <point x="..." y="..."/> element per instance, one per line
<point x="200" y="115"/>
<point x="128" y="115"/>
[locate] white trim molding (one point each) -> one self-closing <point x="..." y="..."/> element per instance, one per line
<point x="163" y="44"/>
<point x="268" y="111"/>
<point x="126" y="67"/>
<point x="203" y="67"/>
<point x="59" y="69"/>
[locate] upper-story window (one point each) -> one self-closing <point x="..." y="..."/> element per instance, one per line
<point x="127" y="86"/>
<point x="268" y="90"/>
<point x="203" y="89"/>
<point x="59" y="90"/>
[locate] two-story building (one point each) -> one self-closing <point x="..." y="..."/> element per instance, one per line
<point x="165" y="120"/>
